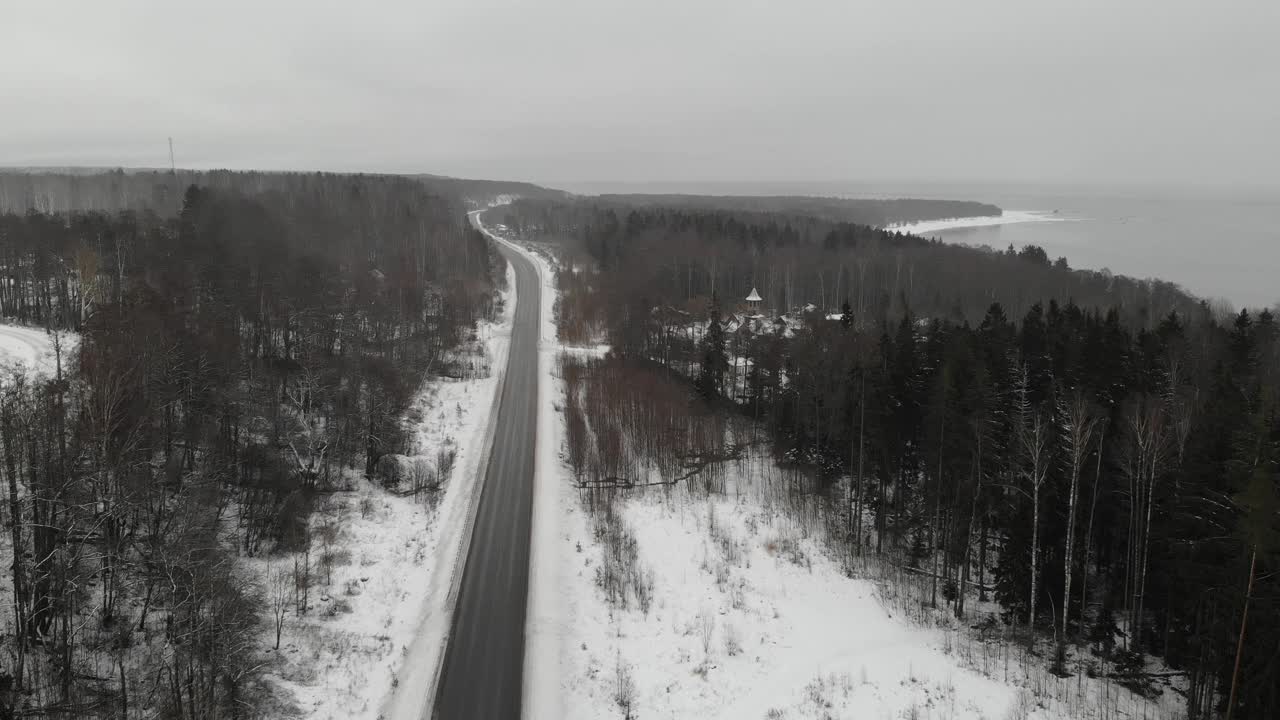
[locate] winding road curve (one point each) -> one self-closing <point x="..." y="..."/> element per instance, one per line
<point x="482" y="675"/>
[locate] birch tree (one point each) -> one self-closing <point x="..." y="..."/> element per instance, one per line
<point x="1147" y="454"/>
<point x="1078" y="422"/>
<point x="1032" y="437"/>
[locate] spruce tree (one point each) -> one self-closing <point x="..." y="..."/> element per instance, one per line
<point x="714" y="361"/>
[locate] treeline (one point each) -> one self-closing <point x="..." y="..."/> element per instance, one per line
<point x="1112" y="485"/>
<point x="481" y="193"/>
<point x="63" y="190"/>
<point x="161" y="191"/>
<point x="236" y="360"/>
<point x="1106" y="471"/>
<point x="875" y="212"/>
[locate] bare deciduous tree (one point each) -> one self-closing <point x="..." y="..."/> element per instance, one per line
<point x="1079" y="419"/>
<point x="279" y="589"/>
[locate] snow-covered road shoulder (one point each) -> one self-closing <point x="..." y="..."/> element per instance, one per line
<point x="413" y="688"/>
<point x="542" y="692"/>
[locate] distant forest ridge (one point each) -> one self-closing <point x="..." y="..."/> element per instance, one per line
<point x="874" y="212"/>
<point x="486" y="192"/>
<point x="162" y="191"/>
<point x="61" y="190"/>
<point x="65" y="189"/>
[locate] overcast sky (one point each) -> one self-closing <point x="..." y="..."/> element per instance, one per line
<point x="648" y="90"/>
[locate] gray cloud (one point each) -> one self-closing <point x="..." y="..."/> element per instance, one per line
<point x="561" y="90"/>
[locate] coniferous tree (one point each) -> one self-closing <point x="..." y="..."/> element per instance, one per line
<point x="715" y="361"/>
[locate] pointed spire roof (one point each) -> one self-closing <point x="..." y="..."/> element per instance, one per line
<point x="754" y="296"/>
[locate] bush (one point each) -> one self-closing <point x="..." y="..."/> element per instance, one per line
<point x="625" y="690"/>
<point x="339" y="606"/>
<point x="732" y="644"/>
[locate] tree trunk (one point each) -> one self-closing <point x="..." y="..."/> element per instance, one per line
<point x="982" y="558"/>
<point x="1244" y="621"/>
<point x="15" y="532"/>
<point x="973" y="521"/>
<point x="1035" y="552"/>
<point x="937" y="506"/>
<point x="862" y="424"/>
<point x="1079" y="432"/>
<point x="1088" y="533"/>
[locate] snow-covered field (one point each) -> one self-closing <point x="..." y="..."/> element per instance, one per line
<point x="1009" y="217"/>
<point x="751" y="618"/>
<point x="371" y="645"/>
<point x="33" y="348"/>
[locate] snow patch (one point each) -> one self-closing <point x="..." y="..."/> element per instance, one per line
<point x="32" y="348"/>
<point x="598" y="350"/>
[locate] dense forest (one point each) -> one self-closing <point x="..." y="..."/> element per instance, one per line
<point x="679" y="258"/>
<point x="875" y="212"/>
<point x="483" y="193"/>
<point x="245" y="343"/>
<point x="161" y="191"/>
<point x="1100" y="456"/>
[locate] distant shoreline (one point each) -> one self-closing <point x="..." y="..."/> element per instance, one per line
<point x="1008" y="217"/>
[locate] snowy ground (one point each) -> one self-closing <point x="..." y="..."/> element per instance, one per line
<point x="1009" y="217"/>
<point x="751" y="618"/>
<point x="33" y="348"/>
<point x="597" y="350"/>
<point x="29" y="350"/>
<point x="371" y="645"/>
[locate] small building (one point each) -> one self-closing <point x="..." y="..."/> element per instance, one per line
<point x="753" y="300"/>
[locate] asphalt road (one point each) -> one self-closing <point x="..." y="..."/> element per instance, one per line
<point x="483" y="666"/>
